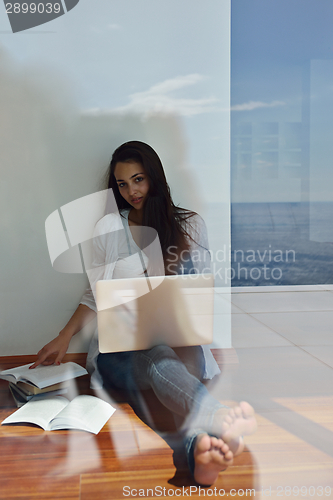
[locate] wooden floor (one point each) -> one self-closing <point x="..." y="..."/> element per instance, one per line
<point x="293" y="446"/>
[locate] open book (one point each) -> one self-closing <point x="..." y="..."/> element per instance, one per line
<point x="85" y="413"/>
<point x="43" y="376"/>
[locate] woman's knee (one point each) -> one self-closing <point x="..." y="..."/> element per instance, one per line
<point x="146" y="363"/>
<point x="160" y="353"/>
<point x="193" y="358"/>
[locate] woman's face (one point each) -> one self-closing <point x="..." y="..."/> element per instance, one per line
<point x="133" y="183"/>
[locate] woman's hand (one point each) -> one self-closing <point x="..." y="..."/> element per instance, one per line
<point x="54" y="351"/>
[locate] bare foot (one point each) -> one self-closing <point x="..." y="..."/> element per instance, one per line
<point x="234" y="424"/>
<point x="211" y="455"/>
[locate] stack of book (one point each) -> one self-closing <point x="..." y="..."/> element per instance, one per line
<point x="23" y="392"/>
<point x="41" y="382"/>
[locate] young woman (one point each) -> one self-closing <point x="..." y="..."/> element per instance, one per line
<point x="212" y="432"/>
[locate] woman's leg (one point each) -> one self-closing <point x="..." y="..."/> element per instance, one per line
<point x="181" y="392"/>
<point x="162" y="370"/>
<point x="174" y="376"/>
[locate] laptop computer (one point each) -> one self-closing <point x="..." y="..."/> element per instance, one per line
<point x="140" y="313"/>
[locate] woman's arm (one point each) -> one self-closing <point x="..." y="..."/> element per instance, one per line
<point x="54" y="351"/>
<point x="102" y="265"/>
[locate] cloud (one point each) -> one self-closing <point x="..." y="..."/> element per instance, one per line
<point x="251" y="105"/>
<point x="160" y="99"/>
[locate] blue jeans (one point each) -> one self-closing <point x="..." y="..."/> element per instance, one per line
<point x="175" y="377"/>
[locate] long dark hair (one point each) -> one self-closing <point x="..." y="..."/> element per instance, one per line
<point x="159" y="211"/>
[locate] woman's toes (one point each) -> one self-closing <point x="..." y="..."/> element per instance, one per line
<point x="232" y="413"/>
<point x="224" y="447"/>
<point x="214" y="442"/>
<point x="228" y="420"/>
<point x="247" y="410"/>
<point x="238" y="411"/>
<point x="203" y="443"/>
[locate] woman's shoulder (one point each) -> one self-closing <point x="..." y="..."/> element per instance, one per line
<point x="191" y="219"/>
<point x="195" y="229"/>
<point x="110" y="222"/>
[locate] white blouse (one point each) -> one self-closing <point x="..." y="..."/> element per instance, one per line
<point x="120" y="257"/>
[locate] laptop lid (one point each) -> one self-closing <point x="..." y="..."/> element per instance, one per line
<point x="140" y="313"/>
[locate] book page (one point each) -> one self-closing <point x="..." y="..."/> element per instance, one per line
<point x="38" y="412"/>
<point x="84" y="412"/>
<point x="13" y="374"/>
<point x="43" y="376"/>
